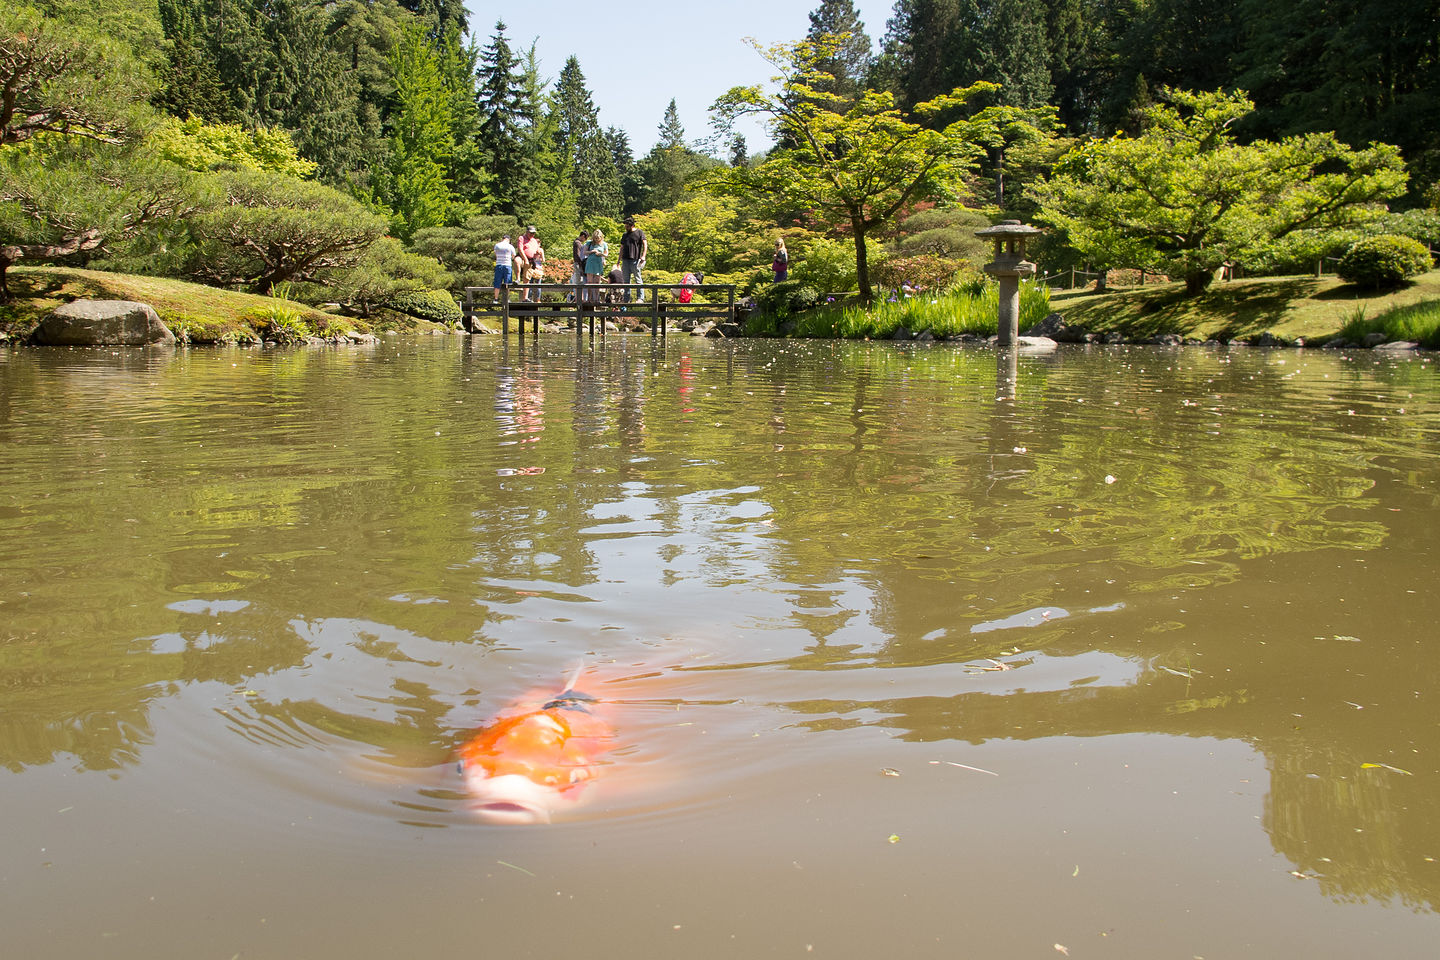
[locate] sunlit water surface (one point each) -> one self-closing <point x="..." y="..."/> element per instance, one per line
<point x="912" y="652"/>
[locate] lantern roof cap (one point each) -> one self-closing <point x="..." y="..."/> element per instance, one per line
<point x="1009" y="228"/>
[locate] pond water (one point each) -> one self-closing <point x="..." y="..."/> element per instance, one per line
<point x="910" y="650"/>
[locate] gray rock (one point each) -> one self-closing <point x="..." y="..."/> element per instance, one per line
<point x="925" y="335"/>
<point x="1373" y="339"/>
<point x="900" y="333"/>
<point x="1035" y="344"/>
<point x="1396" y="346"/>
<point x="86" y="323"/>
<point x="1048" y="327"/>
<point x="1055" y="327"/>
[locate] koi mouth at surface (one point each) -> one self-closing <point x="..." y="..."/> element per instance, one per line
<point x="508" y="812"/>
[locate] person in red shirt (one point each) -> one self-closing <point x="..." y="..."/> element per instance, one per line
<point x="529" y="251"/>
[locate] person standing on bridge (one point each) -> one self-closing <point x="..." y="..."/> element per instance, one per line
<point x="504" y="257"/>
<point x="633" y="249"/>
<point x="578" y="245"/>
<point x="595" y="253"/>
<point x="529" y="248"/>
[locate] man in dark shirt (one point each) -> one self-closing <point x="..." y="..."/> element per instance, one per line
<point x="633" y="248"/>
<point x="577" y="274"/>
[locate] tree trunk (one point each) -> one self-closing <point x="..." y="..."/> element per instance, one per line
<point x="88" y="240"/>
<point x="1196" y="281"/>
<point x="1000" y="178"/>
<point x="862" y="266"/>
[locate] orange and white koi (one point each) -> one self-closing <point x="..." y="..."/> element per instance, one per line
<point x="528" y="764"/>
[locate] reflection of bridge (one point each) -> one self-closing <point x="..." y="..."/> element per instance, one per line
<point x="657" y="304"/>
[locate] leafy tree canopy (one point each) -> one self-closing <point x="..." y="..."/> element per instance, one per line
<point x="200" y="146"/>
<point x="851" y="168"/>
<point x="272" y="229"/>
<point x="1184" y="196"/>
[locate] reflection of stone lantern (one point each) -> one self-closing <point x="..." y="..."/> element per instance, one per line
<point x="1008" y="267"/>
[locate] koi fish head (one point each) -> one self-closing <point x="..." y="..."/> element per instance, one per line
<point x="523" y="768"/>
<point x="511" y="799"/>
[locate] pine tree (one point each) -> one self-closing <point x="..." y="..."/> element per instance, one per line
<point x="849" y="66"/>
<point x="670" y="164"/>
<point x="440" y="14"/>
<point x="504" y="116"/>
<point x="632" y="185"/>
<point x="413" y="183"/>
<point x="189" y="83"/>
<point x="1014" y="53"/>
<point x="579" y="139"/>
<point x="670" y="130"/>
<point x="931" y="46"/>
<point x="552" y="197"/>
<point x="739" y="156"/>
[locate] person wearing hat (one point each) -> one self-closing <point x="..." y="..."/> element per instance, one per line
<point x="529" y="250"/>
<point x="633" y="248"/>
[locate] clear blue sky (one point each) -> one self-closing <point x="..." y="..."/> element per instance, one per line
<point x="637" y="55"/>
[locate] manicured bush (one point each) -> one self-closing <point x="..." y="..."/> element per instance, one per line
<point x="437" y="306"/>
<point x="786" y="299"/>
<point x="1383" y="261"/>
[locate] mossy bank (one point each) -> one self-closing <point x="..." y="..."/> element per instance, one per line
<point x="194" y="313"/>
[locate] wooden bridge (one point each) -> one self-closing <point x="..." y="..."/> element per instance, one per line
<point x="657" y="304"/>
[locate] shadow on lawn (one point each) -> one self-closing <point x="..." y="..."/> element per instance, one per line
<point x="1251" y="309"/>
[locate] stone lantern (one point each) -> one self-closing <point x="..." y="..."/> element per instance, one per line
<point x="1008" y="267"/>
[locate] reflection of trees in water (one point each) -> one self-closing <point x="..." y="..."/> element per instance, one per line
<point x="1341" y="804"/>
<point x="891" y="478"/>
<point x="1362" y="832"/>
<point x="93" y="702"/>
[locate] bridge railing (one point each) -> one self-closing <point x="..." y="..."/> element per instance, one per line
<point x="656" y="303"/>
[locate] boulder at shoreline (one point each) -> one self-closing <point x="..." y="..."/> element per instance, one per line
<point x="87" y="323"/>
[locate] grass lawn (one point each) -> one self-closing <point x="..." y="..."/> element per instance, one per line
<point x="1290" y="307"/>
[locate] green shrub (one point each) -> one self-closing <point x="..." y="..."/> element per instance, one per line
<point x="1383" y="261"/>
<point x="783" y="300"/>
<point x="827" y="265"/>
<point x="280" y="319"/>
<point x="437" y="306"/>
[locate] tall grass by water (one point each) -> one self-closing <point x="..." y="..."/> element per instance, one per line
<point x="971" y="308"/>
<point x="1416" y="322"/>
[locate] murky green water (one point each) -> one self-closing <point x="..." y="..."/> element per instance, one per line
<point x="1139" y="662"/>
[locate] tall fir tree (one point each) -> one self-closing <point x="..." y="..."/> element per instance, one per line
<point x="1014" y="53"/>
<point x="849" y="66"/>
<point x="579" y="139"/>
<point x="505" y="114"/>
<point x="413" y="182"/>
<point x="670" y="164"/>
<point x="671" y="131"/>
<point x="552" y="208"/>
<point x="632" y="184"/>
